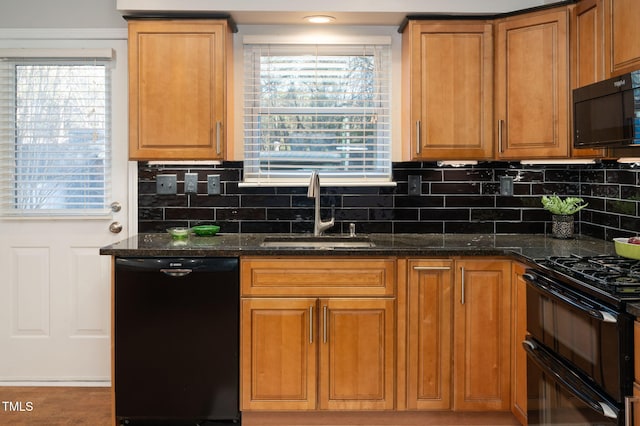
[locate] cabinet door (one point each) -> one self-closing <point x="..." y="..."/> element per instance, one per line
<point x="482" y="335"/>
<point x="622" y="33"/>
<point x="587" y="56"/>
<point x="177" y="89"/>
<point x="450" y="89"/>
<point x="518" y="355"/>
<point x="278" y="354"/>
<point x="532" y="86"/>
<point x="429" y="342"/>
<point x="357" y="354"/>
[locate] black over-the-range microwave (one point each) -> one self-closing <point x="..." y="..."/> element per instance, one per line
<point x="607" y="113"/>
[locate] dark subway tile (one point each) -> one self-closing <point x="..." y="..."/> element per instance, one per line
<point x="240" y="214"/>
<point x="452" y="200"/>
<point x="480" y="215"/>
<point x="468" y="175"/>
<point x="214" y="201"/>
<point x="445" y="214"/>
<point x="393" y="214"/>
<point x="455" y="188"/>
<point x="171" y="213"/>
<point x="469" y="201"/>
<point x="469" y="228"/>
<point x="265" y="227"/>
<point x="403" y="201"/>
<point x="265" y="200"/>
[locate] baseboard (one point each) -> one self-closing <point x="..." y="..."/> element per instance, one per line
<point x="81" y="383"/>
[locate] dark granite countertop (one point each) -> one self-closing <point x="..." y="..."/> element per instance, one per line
<point x="523" y="247"/>
<point x="225" y="245"/>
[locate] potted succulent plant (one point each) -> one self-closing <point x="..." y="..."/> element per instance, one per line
<point x="562" y="211"/>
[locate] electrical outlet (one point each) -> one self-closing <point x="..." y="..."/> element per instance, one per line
<point x="506" y="185"/>
<point x="190" y="183"/>
<point x="415" y="184"/>
<point x="166" y="184"/>
<point x="213" y="184"/>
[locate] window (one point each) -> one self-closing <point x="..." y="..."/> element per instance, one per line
<point x="322" y="107"/>
<point x="54" y="136"/>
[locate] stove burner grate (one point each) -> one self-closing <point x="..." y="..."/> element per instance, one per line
<point x="611" y="273"/>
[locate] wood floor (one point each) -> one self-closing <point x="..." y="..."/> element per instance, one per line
<point x="91" y="406"/>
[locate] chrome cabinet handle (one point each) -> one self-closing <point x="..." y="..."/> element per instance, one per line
<point x="500" y="124"/>
<point x="218" y="144"/>
<point x="324" y="324"/>
<point x="431" y="268"/>
<point x="418" y="138"/>
<point x="310" y="324"/>
<point x="462" y="285"/>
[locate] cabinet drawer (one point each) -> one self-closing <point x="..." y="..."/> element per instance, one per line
<point x="317" y="277"/>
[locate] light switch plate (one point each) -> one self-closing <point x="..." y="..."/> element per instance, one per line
<point x="213" y="184"/>
<point x="415" y="184"/>
<point x="166" y="184"/>
<point x="190" y="183"/>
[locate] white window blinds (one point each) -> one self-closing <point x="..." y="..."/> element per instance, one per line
<point x="317" y="107"/>
<point x="54" y="136"/>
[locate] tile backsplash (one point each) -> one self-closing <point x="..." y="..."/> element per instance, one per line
<point x="452" y="200"/>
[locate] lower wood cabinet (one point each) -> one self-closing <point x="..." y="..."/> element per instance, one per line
<point x="330" y="352"/>
<point x="481" y="341"/>
<point x="459" y="315"/>
<point x="336" y="334"/>
<point x="278" y="354"/>
<point x="518" y="354"/>
<point x="429" y="343"/>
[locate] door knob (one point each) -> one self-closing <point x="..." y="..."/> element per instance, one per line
<point x="115" y="227"/>
<point x="116" y="207"/>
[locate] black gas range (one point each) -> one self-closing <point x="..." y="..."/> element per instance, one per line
<point x="612" y="279"/>
<point x="580" y="339"/>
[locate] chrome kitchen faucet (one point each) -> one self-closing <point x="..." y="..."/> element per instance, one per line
<point x="314" y="192"/>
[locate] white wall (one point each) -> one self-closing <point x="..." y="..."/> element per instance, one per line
<point x="60" y="14"/>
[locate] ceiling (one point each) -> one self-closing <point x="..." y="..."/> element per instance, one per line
<point x="346" y="12"/>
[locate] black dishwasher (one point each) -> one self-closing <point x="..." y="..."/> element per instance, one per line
<point x="176" y="340"/>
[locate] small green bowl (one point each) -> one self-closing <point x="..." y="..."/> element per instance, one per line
<point x="178" y="233"/>
<point x="204" y="230"/>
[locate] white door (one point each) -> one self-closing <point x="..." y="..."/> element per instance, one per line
<point x="55" y="292"/>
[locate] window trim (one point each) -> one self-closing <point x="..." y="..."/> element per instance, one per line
<point x="334" y="38"/>
<point x="62" y="56"/>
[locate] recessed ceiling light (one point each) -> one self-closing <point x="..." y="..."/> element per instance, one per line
<point x="319" y="19"/>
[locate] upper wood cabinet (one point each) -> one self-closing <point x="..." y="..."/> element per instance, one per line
<point x="448" y="89"/>
<point x="532" y="85"/>
<point x="587" y="43"/>
<point x="621" y="36"/>
<point x="587" y="56"/>
<point x="178" y="89"/>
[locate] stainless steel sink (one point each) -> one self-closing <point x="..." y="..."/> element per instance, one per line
<point x="322" y="242"/>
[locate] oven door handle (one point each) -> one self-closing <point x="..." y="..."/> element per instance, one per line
<point x="602" y="407"/>
<point x="603" y="316"/>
